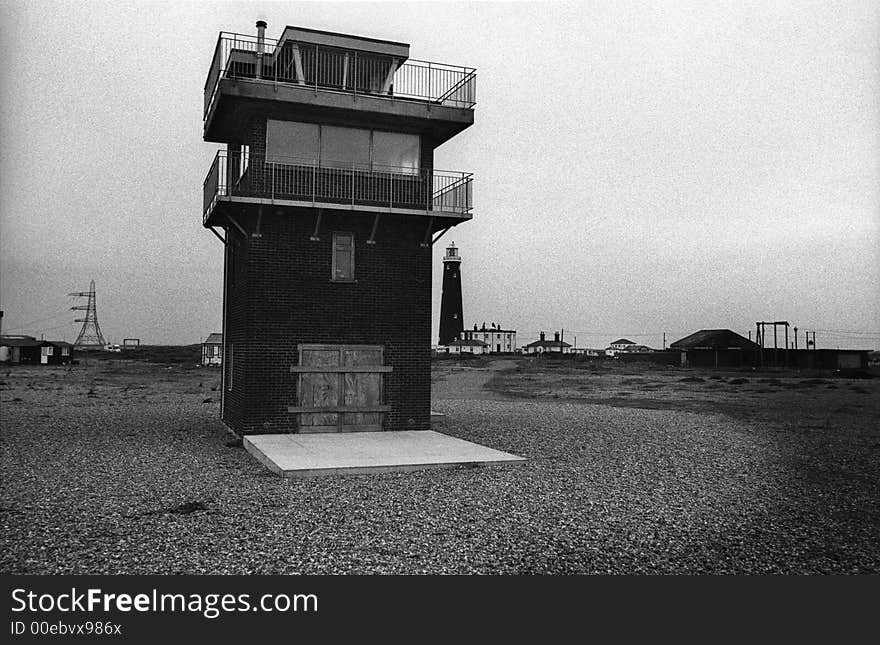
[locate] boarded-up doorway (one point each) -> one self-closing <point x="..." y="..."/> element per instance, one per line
<point x="339" y="388"/>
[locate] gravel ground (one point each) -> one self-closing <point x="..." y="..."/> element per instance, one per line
<point x="111" y="468"/>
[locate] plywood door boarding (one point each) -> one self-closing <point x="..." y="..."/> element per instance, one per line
<point x="340" y="388"/>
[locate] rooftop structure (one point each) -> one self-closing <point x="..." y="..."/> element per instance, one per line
<point x="332" y="82"/>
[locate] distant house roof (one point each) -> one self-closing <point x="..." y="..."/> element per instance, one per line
<point x="214" y="339"/>
<point x="714" y="339"/>
<point x="496" y="329"/>
<point x="467" y="343"/>
<point x="59" y="343"/>
<point x="20" y="341"/>
<point x="549" y="343"/>
<point x="623" y="341"/>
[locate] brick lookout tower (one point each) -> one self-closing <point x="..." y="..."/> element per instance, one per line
<point x="327" y="201"/>
<point x="451" y="316"/>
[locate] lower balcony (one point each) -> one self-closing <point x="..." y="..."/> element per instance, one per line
<point x="306" y="183"/>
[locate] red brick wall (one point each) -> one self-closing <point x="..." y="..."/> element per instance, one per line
<point x="279" y="294"/>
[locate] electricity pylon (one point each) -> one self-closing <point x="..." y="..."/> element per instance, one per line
<point x="90" y="336"/>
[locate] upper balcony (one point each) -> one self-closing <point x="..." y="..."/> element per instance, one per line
<point x="236" y="179"/>
<point x="322" y="73"/>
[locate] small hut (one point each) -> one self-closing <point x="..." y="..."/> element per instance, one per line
<point x="212" y="350"/>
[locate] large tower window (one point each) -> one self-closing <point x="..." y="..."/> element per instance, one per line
<point x="293" y="142"/>
<point x="345" y="148"/>
<point x="286" y="140"/>
<point x="397" y="150"/>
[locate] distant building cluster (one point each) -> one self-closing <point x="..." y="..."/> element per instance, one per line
<point x="704" y="348"/>
<point x="496" y="340"/>
<point x="29" y="350"/>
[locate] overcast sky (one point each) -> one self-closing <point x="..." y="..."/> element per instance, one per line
<point x="640" y="167"/>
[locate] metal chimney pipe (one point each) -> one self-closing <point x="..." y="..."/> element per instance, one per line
<point x="261" y="35"/>
<point x="261" y="40"/>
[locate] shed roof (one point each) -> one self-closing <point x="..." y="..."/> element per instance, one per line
<point x="549" y="343"/>
<point x="623" y="341"/>
<point x="345" y="41"/>
<point x="214" y="339"/>
<point x="20" y="341"/>
<point x="714" y="339"/>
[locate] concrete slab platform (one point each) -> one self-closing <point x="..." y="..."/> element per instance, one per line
<point x="356" y="453"/>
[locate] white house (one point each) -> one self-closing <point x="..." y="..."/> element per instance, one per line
<point x="619" y="345"/>
<point x="497" y="340"/>
<point x="543" y="345"/>
<point x="459" y="346"/>
<point x="587" y="351"/>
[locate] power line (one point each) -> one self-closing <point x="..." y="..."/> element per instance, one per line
<point x="44" y="329"/>
<point x="38" y="320"/>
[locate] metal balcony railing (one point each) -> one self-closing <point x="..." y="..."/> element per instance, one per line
<point x="305" y="180"/>
<point x="326" y="68"/>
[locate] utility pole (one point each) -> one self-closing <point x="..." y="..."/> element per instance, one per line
<point x="786" y="344"/>
<point x="811" y="339"/>
<point x="90" y="336"/>
<point x="759" y="340"/>
<point x="664" y="341"/>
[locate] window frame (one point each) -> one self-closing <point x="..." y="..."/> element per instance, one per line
<point x="333" y="264"/>
<point x="244" y="158"/>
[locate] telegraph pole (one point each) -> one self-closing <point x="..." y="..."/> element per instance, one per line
<point x="811" y="339"/>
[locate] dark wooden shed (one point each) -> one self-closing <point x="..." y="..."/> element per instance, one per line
<point x="716" y="348"/>
<point x="56" y="352"/>
<point x="20" y="349"/>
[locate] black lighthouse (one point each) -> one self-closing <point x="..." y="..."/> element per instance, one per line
<point x="451" y="317"/>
